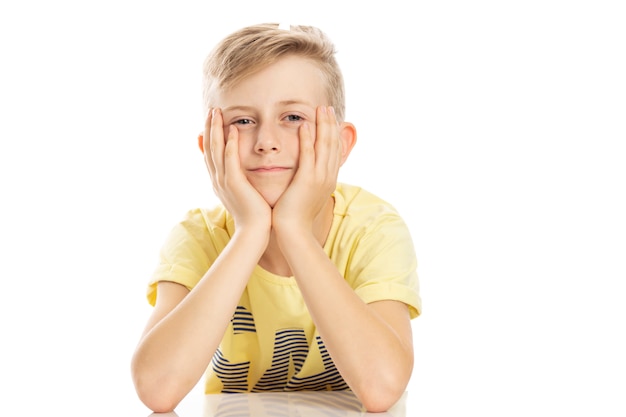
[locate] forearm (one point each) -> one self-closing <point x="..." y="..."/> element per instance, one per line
<point x="368" y="352"/>
<point x="174" y="353"/>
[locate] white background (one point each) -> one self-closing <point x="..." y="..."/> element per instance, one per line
<point x="496" y="128"/>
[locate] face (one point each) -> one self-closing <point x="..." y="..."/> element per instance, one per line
<point x="268" y="109"/>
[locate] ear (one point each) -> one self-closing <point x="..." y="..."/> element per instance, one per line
<point x="201" y="142"/>
<point x="347" y="132"/>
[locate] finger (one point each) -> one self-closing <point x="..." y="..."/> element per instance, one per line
<point x="306" y="160"/>
<point x="216" y="140"/>
<point x="337" y="143"/>
<point x="321" y="136"/>
<point x="232" y="165"/>
<point x="206" y="143"/>
<point x="326" y="143"/>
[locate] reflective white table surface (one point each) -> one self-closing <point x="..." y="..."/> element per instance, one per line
<point x="272" y="404"/>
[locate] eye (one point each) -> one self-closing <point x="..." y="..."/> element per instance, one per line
<point x="243" y="122"/>
<point x="294" y="118"/>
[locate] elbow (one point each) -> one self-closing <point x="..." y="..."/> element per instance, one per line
<point x="380" y="400"/>
<point x="157" y="399"/>
<point x="159" y="406"/>
<point x="155" y="393"/>
<point x="382" y="392"/>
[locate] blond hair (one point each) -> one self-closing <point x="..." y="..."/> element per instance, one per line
<point x="253" y="48"/>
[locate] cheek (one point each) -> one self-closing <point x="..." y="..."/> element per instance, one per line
<point x="291" y="145"/>
<point x="246" y="142"/>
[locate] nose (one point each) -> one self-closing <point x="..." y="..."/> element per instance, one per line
<point x="267" y="139"/>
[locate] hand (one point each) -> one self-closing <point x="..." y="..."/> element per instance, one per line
<point x="230" y="184"/>
<point x="316" y="177"/>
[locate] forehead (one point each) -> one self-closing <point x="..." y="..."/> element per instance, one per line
<point x="291" y="78"/>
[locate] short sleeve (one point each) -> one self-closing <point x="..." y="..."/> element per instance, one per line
<point x="188" y="251"/>
<point x="384" y="264"/>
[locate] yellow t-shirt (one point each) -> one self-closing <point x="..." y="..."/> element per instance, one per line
<point x="271" y="343"/>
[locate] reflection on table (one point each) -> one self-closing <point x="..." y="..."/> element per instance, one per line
<point x="302" y="403"/>
<point x="290" y="404"/>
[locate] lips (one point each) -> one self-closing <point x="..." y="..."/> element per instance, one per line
<point x="270" y="169"/>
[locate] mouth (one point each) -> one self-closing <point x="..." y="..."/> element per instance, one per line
<point x="269" y="169"/>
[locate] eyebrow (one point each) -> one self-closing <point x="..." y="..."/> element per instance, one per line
<point x="287" y="102"/>
<point x="280" y="103"/>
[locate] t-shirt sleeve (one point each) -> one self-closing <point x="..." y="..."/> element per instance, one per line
<point x="185" y="256"/>
<point x="384" y="264"/>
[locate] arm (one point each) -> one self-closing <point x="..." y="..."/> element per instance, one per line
<point x="186" y="327"/>
<point x="371" y="344"/>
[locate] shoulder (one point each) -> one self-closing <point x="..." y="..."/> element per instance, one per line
<point x="202" y="225"/>
<point x="207" y="219"/>
<point x="356" y="202"/>
<point x="367" y="221"/>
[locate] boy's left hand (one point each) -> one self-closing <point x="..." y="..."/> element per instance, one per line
<point x="316" y="177"/>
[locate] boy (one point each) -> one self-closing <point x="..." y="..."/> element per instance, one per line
<point x="295" y="282"/>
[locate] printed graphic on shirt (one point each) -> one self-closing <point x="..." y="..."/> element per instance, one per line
<point x="243" y="321"/>
<point x="234" y="376"/>
<point x="290" y="349"/>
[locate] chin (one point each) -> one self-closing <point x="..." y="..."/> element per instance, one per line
<point x="270" y="191"/>
<point x="272" y="197"/>
<point x="271" y="200"/>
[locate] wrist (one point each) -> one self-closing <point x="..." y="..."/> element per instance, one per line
<point x="254" y="236"/>
<point x="295" y="238"/>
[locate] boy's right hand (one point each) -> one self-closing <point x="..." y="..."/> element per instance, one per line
<point x="248" y="208"/>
